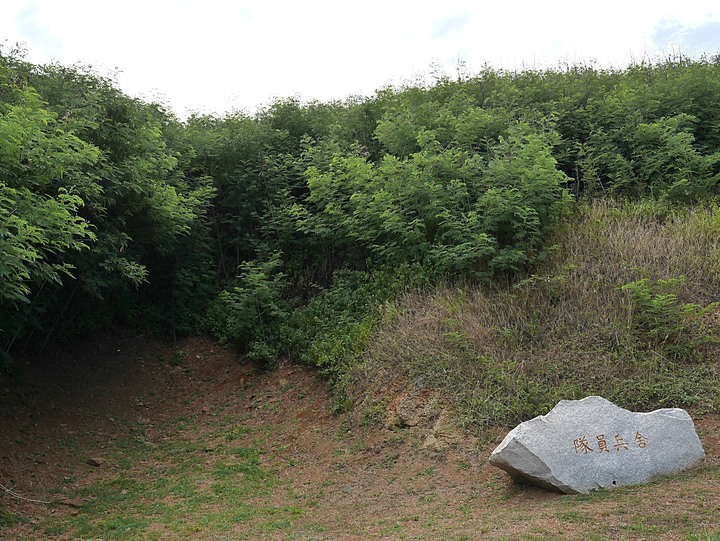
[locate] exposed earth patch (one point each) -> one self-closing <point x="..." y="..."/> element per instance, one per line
<point x="129" y="438"/>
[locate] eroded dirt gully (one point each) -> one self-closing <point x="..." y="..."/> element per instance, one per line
<point x="418" y="474"/>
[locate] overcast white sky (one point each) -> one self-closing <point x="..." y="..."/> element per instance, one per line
<point x="217" y="55"/>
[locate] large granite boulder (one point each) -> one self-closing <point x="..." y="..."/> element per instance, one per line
<point x="583" y="445"/>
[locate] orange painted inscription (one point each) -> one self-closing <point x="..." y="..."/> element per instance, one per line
<point x="600" y="444"/>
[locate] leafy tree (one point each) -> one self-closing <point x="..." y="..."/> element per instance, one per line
<point x="39" y="208"/>
<point x="89" y="190"/>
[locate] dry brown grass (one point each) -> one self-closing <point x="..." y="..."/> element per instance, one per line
<point x="505" y="354"/>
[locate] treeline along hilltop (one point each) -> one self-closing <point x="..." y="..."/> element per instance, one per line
<point x="290" y="232"/>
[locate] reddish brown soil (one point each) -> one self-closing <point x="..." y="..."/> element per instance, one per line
<point x="356" y="482"/>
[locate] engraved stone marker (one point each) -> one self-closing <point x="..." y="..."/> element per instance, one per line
<point x="583" y="445"/>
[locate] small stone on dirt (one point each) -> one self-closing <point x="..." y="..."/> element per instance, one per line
<point x="412" y="410"/>
<point x="444" y="433"/>
<point x="431" y="442"/>
<point x="94" y="461"/>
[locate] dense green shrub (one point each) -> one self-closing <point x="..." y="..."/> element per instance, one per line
<point x="449" y="210"/>
<point x="671" y="327"/>
<point x="92" y="204"/>
<point x="251" y="313"/>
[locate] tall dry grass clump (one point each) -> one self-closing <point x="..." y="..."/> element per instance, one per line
<point x="623" y="309"/>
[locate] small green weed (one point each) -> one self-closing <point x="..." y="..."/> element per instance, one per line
<point x="178" y="357"/>
<point x="373" y="413"/>
<point x="8" y="518"/>
<point x="704" y="536"/>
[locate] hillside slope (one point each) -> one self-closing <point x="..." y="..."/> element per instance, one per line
<point x="193" y="444"/>
<point x="626" y="308"/>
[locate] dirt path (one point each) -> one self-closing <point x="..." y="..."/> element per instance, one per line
<point x="192" y="444"/>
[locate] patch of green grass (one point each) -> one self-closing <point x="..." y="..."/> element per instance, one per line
<point x="181" y="486"/>
<point x="427" y="472"/>
<point x="571" y="516"/>
<point x="704" y="536"/>
<point x="237" y="432"/>
<point x="641" y="526"/>
<point x="8" y="518"/>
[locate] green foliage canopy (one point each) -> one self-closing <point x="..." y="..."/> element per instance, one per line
<point x="107" y="198"/>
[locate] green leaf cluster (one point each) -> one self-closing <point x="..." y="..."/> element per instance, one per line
<point x="40" y="164"/>
<point x="93" y="203"/>
<point x="663" y="322"/>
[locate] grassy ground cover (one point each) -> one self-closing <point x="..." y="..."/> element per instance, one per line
<point x="625" y="308"/>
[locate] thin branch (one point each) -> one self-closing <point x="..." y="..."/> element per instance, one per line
<point x="15" y="495"/>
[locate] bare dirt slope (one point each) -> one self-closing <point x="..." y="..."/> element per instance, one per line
<point x="408" y="474"/>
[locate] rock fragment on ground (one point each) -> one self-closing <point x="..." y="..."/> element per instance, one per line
<point x="412" y="409"/>
<point x="588" y="444"/>
<point x="444" y="434"/>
